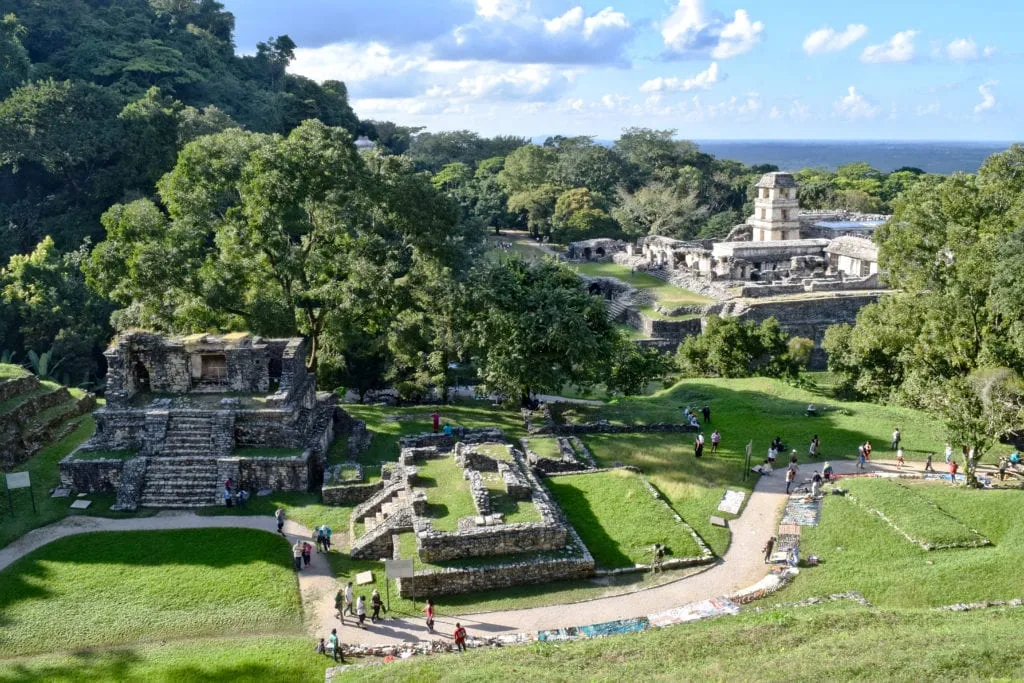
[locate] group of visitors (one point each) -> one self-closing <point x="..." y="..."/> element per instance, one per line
<point x="302" y="552"/>
<point x="863" y="455"/>
<point x="690" y="415"/>
<point x="698" y="443"/>
<point x="322" y="536"/>
<point x="241" y="496"/>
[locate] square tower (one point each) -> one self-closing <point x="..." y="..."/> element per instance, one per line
<point x="775" y="209"/>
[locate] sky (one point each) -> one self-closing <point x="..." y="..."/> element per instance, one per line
<point x="710" y="69"/>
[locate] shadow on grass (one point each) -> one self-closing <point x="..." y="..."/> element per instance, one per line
<point x="27" y="578"/>
<point x="603" y="547"/>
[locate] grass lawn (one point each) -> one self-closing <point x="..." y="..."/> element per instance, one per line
<point x="495" y="451"/>
<point x="304" y="508"/>
<point x="9" y="371"/>
<point x="42" y="468"/>
<point x="811" y="644"/>
<point x="618" y="519"/>
<point x="448" y="496"/>
<point x="860" y="551"/>
<point x="661" y="290"/>
<point x="545" y="447"/>
<point x="255" y="659"/>
<point x="388" y="423"/>
<point x="112" y="588"/>
<point x="914" y="515"/>
<point x="515" y="511"/>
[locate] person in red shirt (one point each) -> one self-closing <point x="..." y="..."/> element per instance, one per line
<point x="436" y="417"/>
<point x="460" y="637"/>
<point x="953" y="467"/>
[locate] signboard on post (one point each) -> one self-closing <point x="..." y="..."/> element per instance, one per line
<point x="18" y="480"/>
<point x="746" y="466"/>
<point x="398" y="569"/>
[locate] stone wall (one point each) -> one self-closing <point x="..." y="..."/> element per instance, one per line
<point x="675" y="330"/>
<point x="478" y="489"/>
<point x="452" y="581"/>
<point x="90" y="475"/>
<point x="279" y="474"/>
<point x="350" y="494"/>
<point x="509" y="539"/>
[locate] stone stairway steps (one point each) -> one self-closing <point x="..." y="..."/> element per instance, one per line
<point x="181" y="482"/>
<point x="615" y="309"/>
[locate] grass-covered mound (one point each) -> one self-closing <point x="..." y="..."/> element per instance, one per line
<point x="916" y="517"/>
<point x="811" y="644"/>
<point x="618" y="519"/>
<point x="860" y="551"/>
<point x="113" y="588"/>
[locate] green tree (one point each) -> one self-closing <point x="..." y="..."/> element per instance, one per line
<point x="659" y="209"/>
<point x="14" y="62"/>
<point x="579" y="214"/>
<point x="730" y="347"/>
<point x="535" y="329"/>
<point x="635" y="367"/>
<point x="526" y="169"/>
<point x="538" y="205"/>
<point x="50" y="308"/>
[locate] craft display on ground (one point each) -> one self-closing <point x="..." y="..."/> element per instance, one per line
<point x="732" y="501"/>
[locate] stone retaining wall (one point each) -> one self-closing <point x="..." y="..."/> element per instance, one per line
<point x="15" y="387"/>
<point x="350" y="494"/>
<point x="90" y="476"/>
<point x="451" y="581"/>
<point x="279" y="474"/>
<point x="509" y="539"/>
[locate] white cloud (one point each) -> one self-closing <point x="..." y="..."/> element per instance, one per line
<point x="775" y="113"/>
<point x="854" y="106"/>
<point x="829" y="40"/>
<point x="928" y="109"/>
<point x="500" y="9"/>
<point x="530" y="82"/>
<point x="614" y="102"/>
<point x="522" y="37"/>
<point x="370" y="70"/>
<point x="691" y="31"/>
<point x="899" y="48"/>
<point x="704" y="80"/>
<point x="988" y="98"/>
<point x="966" y="50"/>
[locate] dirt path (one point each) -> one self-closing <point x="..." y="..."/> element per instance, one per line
<point x="741" y="566"/>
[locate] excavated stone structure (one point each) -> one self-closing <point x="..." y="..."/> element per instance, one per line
<point x="542" y="551"/>
<point x="185" y="406"/>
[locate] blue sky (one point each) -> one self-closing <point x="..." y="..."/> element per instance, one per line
<point x="711" y="69"/>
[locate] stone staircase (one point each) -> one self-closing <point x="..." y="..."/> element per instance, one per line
<point x="393" y="515"/>
<point x="615" y="309"/>
<point x="181" y="482"/>
<point x="188" y="435"/>
<point x="393" y="505"/>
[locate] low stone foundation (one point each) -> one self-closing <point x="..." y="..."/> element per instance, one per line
<point x="432" y="583"/>
<point x="349" y="494"/>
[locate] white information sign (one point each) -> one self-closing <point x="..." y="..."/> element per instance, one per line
<point x="398" y="569"/>
<point x="18" y="480"/>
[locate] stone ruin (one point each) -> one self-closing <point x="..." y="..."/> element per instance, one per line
<point x="536" y="552"/>
<point x="180" y="408"/>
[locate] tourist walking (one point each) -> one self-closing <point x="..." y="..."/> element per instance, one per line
<point x="868" y="448"/>
<point x="428" y="609"/>
<point x="279" y="516"/>
<point x="436" y="419"/>
<point x="815" y="485"/>
<point x="327" y="537"/>
<point x="716" y="437"/>
<point x="861" y="457"/>
<point x="899" y="457"/>
<point x="949" y="452"/>
<point x="928" y="463"/>
<point x="336" y="646"/>
<point x="815" y="447"/>
<point x="297" y="554"/>
<point x="953" y="467"/>
<point x="307" y="553"/>
<point x="460" y="637"/>
<point x="895" y="439"/>
<point x="339" y="605"/>
<point x="698" y="446"/>
<point x="227" y="496"/>
<point x="361" y="611"/>
<point x="243" y="498"/>
<point x="790" y="475"/>
<point x="349" y="599"/>
<point x="318" y="536"/>
<point x="1003" y="464"/>
<point x="706" y="412"/>
<point x="376" y="603"/>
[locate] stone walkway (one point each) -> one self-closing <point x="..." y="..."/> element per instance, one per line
<point x="741" y="566"/>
